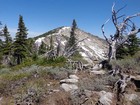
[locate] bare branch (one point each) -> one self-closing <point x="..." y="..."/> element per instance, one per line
<point x="102" y="28"/>
<point x="70" y="53"/>
<point x="70" y="50"/>
<point x="89" y="56"/>
<point x="120" y="16"/>
<point x="121" y="8"/>
<point x="123" y="24"/>
<point x="122" y="43"/>
<point x="130" y="25"/>
<point x="113" y="6"/>
<point x="134" y="32"/>
<point x="132" y="16"/>
<point x="114" y="17"/>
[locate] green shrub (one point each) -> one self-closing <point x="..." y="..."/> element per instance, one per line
<point x="129" y="63"/>
<point x="26" y="63"/>
<point x="58" y="73"/>
<point x="14" y="76"/>
<point x="4" y="70"/>
<point x="78" y="57"/>
<point x="35" y="57"/>
<point x="59" y="61"/>
<point x="96" y="84"/>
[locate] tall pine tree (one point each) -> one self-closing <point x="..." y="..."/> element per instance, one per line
<point x="1" y="43"/>
<point x="6" y="35"/>
<point x="72" y="40"/>
<point x="7" y="42"/>
<point x="7" y="47"/>
<point x="20" y="44"/>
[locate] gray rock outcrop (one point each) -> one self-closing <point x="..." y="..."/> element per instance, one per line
<point x="69" y="84"/>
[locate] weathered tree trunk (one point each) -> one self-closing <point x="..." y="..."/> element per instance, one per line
<point x="18" y="60"/>
<point x="58" y="52"/>
<point x="112" y="50"/>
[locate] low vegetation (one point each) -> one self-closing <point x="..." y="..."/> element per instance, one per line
<point x="129" y="64"/>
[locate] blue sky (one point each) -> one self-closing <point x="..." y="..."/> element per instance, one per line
<point x="43" y="15"/>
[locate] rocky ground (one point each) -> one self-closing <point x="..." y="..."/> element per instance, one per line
<point x="36" y="85"/>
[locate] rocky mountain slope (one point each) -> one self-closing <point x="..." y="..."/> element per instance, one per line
<point x="92" y="47"/>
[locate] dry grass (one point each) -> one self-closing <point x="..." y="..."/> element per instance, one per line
<point x="129" y="65"/>
<point x="60" y="98"/>
<point x="18" y="82"/>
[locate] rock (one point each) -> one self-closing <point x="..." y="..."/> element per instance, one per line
<point x="131" y="97"/>
<point x="79" y="97"/>
<point x="1" y="100"/>
<point x="88" y="93"/>
<point x="138" y="77"/>
<point x="68" y="87"/>
<point x="49" y="84"/>
<point x="50" y="91"/>
<point x="73" y="77"/>
<point x="68" y="81"/>
<point x="96" y="67"/>
<point x="87" y="66"/>
<point x="56" y="90"/>
<point x="105" y="98"/>
<point x="97" y="72"/>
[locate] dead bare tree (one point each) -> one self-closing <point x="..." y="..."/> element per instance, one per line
<point x="58" y="39"/>
<point x="60" y="51"/>
<point x="68" y="52"/>
<point x="124" y="27"/>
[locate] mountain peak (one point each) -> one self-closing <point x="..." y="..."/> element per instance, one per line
<point x="92" y="48"/>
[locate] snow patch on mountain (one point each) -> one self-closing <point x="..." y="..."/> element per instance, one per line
<point x="86" y="57"/>
<point x="89" y="39"/>
<point x="63" y="42"/>
<point x="39" y="41"/>
<point x="99" y="52"/>
<point x="64" y="28"/>
<point x="84" y="48"/>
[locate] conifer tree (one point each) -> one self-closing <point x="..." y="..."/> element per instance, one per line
<point x="42" y="48"/>
<point x="72" y="40"/>
<point x="20" y="44"/>
<point x="30" y="46"/>
<point x="131" y="47"/>
<point x="122" y="51"/>
<point x="6" y="47"/>
<point x="1" y="43"/>
<point x="133" y="44"/>
<point x="0" y="36"/>
<point x="7" y="42"/>
<point x="6" y="35"/>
